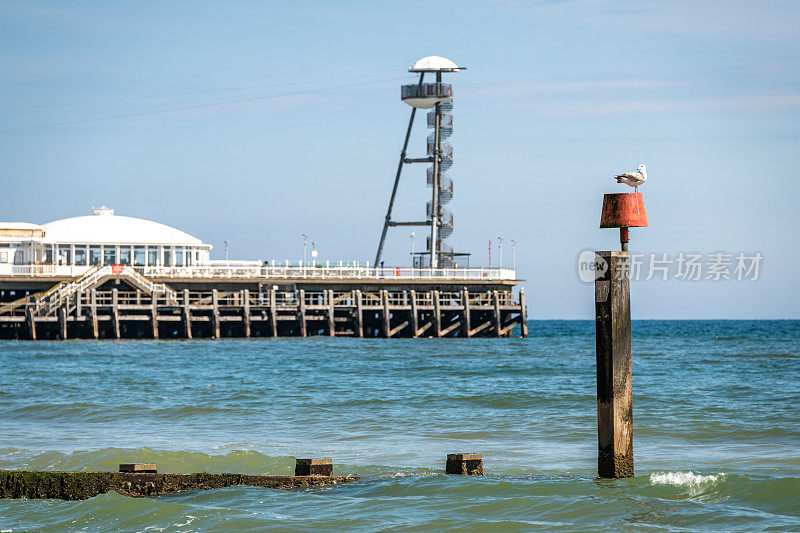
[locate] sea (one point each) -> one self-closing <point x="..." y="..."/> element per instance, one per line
<point x="716" y="430"/>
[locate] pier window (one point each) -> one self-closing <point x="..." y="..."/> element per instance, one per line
<point x="80" y="255"/>
<point x="124" y="255"/>
<point x="109" y="255"/>
<point x="48" y="254"/>
<point x="168" y="257"/>
<point x="64" y="255"/>
<point x="94" y="255"/>
<point x="152" y="255"/>
<point x="138" y="256"/>
<point x="178" y="257"/>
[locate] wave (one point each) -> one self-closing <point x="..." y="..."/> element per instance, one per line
<point x="688" y="479"/>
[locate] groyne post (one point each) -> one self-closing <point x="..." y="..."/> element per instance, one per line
<point x="614" y="387"/>
<point x="464" y="464"/>
<point x="498" y="324"/>
<point x="313" y="467"/>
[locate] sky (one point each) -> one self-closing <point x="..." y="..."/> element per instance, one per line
<point x="255" y="122"/>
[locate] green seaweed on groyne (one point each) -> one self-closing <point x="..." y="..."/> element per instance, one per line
<point x="85" y="485"/>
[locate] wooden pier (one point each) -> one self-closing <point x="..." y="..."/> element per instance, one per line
<point x="116" y="313"/>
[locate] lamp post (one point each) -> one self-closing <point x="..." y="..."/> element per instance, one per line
<point x="500" y="250"/>
<point x="226" y="250"/>
<point x="305" y="246"/>
<point x="514" y="254"/>
<point x="413" y="236"/>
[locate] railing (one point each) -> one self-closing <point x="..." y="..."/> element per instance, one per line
<point x="319" y="271"/>
<point x="330" y="272"/>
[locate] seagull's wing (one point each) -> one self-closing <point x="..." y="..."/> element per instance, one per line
<point x="636" y="176"/>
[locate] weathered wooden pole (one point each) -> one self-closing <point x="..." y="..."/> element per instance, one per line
<point x="613" y="326"/>
<point x="614" y="392"/>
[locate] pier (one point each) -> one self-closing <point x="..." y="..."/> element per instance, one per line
<point x="118" y="302"/>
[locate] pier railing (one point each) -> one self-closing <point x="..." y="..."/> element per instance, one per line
<point x="277" y="272"/>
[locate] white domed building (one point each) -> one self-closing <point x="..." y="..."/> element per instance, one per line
<point x="99" y="238"/>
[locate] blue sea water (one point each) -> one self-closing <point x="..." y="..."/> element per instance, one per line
<point x="716" y="422"/>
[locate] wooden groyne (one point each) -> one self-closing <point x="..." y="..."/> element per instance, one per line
<point x="113" y="313"/>
<point x="85" y="485"/>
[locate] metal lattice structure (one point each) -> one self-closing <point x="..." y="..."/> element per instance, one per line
<point x="438" y="97"/>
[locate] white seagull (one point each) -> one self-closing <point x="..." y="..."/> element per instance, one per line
<point x="634" y="179"/>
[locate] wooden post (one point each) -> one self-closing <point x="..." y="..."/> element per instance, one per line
<point x="246" y="312"/>
<point x="437" y="315"/>
<point x="523" y="309"/>
<point x="78" y="305"/>
<point x="95" y="324"/>
<point x="187" y="315"/>
<point x="31" y="322"/>
<point x="115" y="312"/>
<point x="331" y="323"/>
<point x="273" y="311"/>
<point x="313" y="467"/>
<point x="301" y="312"/>
<point x="62" y="322"/>
<point x="359" y="315"/>
<point x="154" y="314"/>
<point x="466" y="328"/>
<point x="498" y="326"/>
<point x="387" y="332"/>
<point x="464" y="464"/>
<point x="614" y="392"/>
<point x="414" y="315"/>
<point x="215" y="313"/>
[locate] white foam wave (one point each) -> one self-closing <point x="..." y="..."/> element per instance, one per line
<point x="686" y="479"/>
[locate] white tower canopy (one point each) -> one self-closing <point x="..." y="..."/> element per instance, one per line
<point x="435" y="64"/>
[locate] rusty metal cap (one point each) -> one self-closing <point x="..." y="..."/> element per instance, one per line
<point x="623" y="210"/>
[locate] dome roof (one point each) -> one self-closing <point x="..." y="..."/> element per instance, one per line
<point x="434" y="64"/>
<point x="105" y="227"/>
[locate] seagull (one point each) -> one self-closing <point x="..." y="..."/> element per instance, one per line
<point x="634" y="179"/>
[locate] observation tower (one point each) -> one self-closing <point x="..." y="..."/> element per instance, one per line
<point x="438" y="97"/>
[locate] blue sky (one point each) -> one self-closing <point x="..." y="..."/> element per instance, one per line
<point x="306" y="127"/>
